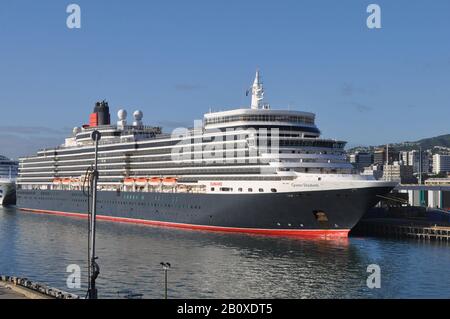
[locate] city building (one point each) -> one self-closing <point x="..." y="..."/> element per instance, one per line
<point x="441" y="163"/>
<point x="438" y="181"/>
<point x="361" y="160"/>
<point x="399" y="173"/>
<point x="412" y="158"/>
<point x="374" y="170"/>
<point x="379" y="157"/>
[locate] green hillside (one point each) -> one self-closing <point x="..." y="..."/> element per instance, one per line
<point x="426" y="143"/>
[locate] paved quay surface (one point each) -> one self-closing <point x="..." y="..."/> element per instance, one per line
<point x="22" y="288"/>
<point x="8" y="293"/>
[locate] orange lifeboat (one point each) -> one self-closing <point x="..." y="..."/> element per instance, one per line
<point x="128" y="181"/>
<point x="154" y="181"/>
<point x="57" y="181"/>
<point x="141" y="181"/>
<point x="169" y="181"/>
<point x="66" y="181"/>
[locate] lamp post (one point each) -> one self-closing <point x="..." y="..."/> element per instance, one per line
<point x="420" y="165"/>
<point x="421" y="192"/>
<point x="94" y="269"/>
<point x="166" y="267"/>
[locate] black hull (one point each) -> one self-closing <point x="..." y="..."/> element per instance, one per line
<point x="273" y="213"/>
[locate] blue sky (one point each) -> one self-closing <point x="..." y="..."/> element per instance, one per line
<point x="177" y="59"/>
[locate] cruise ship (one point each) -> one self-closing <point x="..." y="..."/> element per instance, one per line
<point x="8" y="174"/>
<point x="255" y="170"/>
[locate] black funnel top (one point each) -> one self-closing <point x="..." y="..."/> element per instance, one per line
<point x="102" y="109"/>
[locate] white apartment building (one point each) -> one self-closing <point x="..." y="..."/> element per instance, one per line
<point x="441" y="163"/>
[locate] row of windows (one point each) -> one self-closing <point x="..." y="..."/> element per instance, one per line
<point x="104" y="134"/>
<point x="137" y="172"/>
<point x="215" y="153"/>
<point x="118" y="202"/>
<point x="312" y="143"/>
<point x="134" y="147"/>
<point x="240" y="189"/>
<point x="261" y="118"/>
<point x="105" y="176"/>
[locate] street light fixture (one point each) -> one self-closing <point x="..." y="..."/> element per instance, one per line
<point x="166" y="267"/>
<point x="94" y="269"/>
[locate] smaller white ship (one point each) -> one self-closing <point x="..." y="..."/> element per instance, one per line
<point x="8" y="174"/>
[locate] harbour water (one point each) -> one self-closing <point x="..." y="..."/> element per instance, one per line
<point x="217" y="265"/>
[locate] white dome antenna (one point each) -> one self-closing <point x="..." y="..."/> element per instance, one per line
<point x="122" y="115"/>
<point x="138" y="115"/>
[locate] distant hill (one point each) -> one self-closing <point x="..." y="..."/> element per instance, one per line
<point x="435" y="143"/>
<point x="438" y="141"/>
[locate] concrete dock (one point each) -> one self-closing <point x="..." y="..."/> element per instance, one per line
<point x="402" y="228"/>
<point x="11" y="291"/>
<point x="8" y="293"/>
<point x="22" y="288"/>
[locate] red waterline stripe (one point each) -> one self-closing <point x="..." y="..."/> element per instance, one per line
<point x="334" y="233"/>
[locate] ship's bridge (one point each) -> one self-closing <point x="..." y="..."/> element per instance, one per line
<point x="290" y="120"/>
<point x="260" y="115"/>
